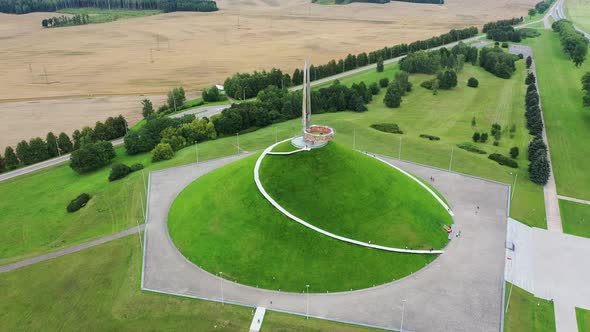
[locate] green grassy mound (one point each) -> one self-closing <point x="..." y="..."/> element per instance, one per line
<point x="221" y="222"/>
<point x="350" y="194"/>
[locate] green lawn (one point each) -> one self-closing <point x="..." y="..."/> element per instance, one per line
<point x="575" y="218"/>
<point x="353" y="195"/>
<point x="33" y="206"/>
<point x="222" y="223"/>
<point x="527" y="312"/>
<point x="579" y="12"/>
<point x="98" y="15"/>
<point x="568" y="122"/>
<point x="98" y="289"/>
<point x="583" y="317"/>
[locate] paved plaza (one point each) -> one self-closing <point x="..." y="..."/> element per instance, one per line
<point x="460" y="291"/>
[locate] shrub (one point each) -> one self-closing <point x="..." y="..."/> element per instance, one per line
<point x="430" y="137"/>
<point x="136" y="167"/>
<point x="471" y="148"/>
<point x="374" y="88"/>
<point x="387" y="127"/>
<point x="484" y="137"/>
<point x="78" y="202"/>
<point x="476" y="137"/>
<point x="504" y="45"/>
<point x="472" y="82"/>
<point x="393" y="96"/>
<point x="496" y="131"/>
<point x="427" y="84"/>
<point x="162" y="151"/>
<point x="496" y="143"/>
<point x="539" y="169"/>
<point x="503" y="160"/>
<point x="119" y="171"/>
<point x="514" y="151"/>
<point x="384" y="82"/>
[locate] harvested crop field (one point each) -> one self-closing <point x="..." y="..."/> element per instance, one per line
<point x="149" y="55"/>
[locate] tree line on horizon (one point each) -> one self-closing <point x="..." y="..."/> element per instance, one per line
<point x="28" y="6"/>
<point x="60" y="21"/>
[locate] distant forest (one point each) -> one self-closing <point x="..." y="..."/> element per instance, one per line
<point x="28" y="6"/>
<point x="343" y="2"/>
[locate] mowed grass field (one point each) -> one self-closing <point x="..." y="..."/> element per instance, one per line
<point x="579" y="12"/>
<point x="527" y="312"/>
<point x="353" y="195"/>
<point x="98" y="289"/>
<point x="583" y="317"/>
<point x="33" y="206"/>
<point x="575" y="218"/>
<point x="221" y="222"/>
<point x="567" y="121"/>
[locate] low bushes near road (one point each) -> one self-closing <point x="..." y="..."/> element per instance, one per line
<point x="472" y="82"/>
<point x="471" y="148"/>
<point x="161" y="152"/>
<point x="430" y="137"/>
<point x="120" y="170"/>
<point x="78" y="202"/>
<point x="387" y="127"/>
<point x="480" y="137"/>
<point x="503" y="160"/>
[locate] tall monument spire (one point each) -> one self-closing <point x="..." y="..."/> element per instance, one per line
<point x="306" y="109"/>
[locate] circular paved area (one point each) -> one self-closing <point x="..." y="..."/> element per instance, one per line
<point x="460" y="291"/>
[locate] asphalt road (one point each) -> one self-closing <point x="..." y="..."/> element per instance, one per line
<point x="459" y="291"/>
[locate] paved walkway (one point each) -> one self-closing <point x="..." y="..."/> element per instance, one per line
<point x="552" y="266"/>
<point x="577" y="200"/>
<point x="460" y="291"/>
<point x="66" y="251"/>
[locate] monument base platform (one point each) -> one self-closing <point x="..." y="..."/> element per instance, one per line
<point x="301" y="143"/>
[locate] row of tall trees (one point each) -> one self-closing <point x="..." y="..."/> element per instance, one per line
<point x="38" y="149"/>
<point x="574" y="43"/>
<point x="540" y="7"/>
<point x="500" y="23"/>
<point x="586" y="89"/>
<point x="28" y="6"/>
<point x="539" y="168"/>
<point x="60" y="21"/>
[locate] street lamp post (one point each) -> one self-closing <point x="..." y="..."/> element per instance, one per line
<point x="400" y="149"/>
<point x="354" y="139"/>
<point x="451" y="162"/>
<point x="197" y="148"/>
<point x="238" y="141"/>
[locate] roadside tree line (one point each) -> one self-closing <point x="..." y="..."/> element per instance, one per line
<point x="539" y="168"/>
<point x="38" y="150"/>
<point x="244" y="85"/>
<point x="573" y="42"/>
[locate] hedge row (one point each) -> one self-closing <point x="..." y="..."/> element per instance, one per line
<point x="387" y="127"/>
<point x="503" y="160"/>
<point x="539" y="168"/>
<point x="471" y="148"/>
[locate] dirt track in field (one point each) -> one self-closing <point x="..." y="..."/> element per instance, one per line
<point x="149" y="55"/>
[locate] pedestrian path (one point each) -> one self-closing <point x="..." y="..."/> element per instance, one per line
<point x="66" y="251"/>
<point x="551" y="266"/>
<point x="577" y="200"/>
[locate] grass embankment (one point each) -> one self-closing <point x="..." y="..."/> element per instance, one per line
<point x="98" y="290"/>
<point x="579" y="12"/>
<point x="98" y="15"/>
<point x="527" y="312"/>
<point x="353" y="195"/>
<point x="583" y="317"/>
<point x="222" y="223"/>
<point x="567" y="121"/>
<point x="575" y="218"/>
<point x="33" y="206"/>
